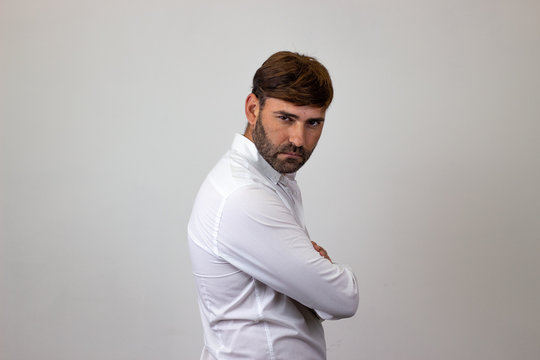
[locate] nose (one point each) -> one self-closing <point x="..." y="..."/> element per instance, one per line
<point x="297" y="135"/>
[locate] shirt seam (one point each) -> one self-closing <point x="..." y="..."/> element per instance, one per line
<point x="265" y="324"/>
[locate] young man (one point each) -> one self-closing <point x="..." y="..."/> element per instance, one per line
<point x="264" y="287"/>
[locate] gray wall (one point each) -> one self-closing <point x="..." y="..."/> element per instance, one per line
<point x="426" y="179"/>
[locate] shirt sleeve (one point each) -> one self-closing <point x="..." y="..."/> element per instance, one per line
<point x="260" y="236"/>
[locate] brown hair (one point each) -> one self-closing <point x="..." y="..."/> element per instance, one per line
<point x="295" y="78"/>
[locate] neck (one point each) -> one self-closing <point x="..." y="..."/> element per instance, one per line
<point x="248" y="133"/>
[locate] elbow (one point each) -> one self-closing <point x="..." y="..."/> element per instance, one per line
<point x="348" y="299"/>
<point x="343" y="307"/>
<point x="349" y="306"/>
<point x="343" y="303"/>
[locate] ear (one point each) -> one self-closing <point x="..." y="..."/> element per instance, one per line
<point x="252" y="109"/>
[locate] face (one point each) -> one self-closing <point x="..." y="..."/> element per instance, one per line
<point x="286" y="134"/>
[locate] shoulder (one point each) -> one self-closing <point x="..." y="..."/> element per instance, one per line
<point x="232" y="181"/>
<point x="233" y="173"/>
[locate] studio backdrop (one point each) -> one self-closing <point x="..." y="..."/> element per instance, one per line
<point x="425" y="181"/>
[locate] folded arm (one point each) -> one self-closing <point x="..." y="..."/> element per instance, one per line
<point x="259" y="235"/>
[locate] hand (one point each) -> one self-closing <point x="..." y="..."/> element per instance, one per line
<point x="321" y="251"/>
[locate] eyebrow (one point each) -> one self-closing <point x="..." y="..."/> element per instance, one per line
<point x="294" y="116"/>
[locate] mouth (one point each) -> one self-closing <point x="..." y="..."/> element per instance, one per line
<point x="291" y="155"/>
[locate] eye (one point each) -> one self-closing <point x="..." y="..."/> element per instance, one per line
<point x="284" y="117"/>
<point x="314" y="123"/>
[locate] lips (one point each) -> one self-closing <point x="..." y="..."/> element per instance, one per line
<point x="291" y="154"/>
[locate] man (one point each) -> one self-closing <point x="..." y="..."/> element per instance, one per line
<point x="264" y="287"/>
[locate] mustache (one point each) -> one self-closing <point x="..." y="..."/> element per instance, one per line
<point x="299" y="150"/>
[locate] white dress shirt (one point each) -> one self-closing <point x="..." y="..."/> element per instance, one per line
<point x="262" y="288"/>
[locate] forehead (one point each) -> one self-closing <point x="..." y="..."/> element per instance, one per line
<point x="307" y="111"/>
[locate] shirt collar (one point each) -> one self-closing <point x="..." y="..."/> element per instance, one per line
<point x="247" y="149"/>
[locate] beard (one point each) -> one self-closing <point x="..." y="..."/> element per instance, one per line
<point x="270" y="152"/>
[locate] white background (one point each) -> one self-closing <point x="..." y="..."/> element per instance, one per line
<point x="426" y="180"/>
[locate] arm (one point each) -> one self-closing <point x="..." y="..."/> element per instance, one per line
<point x="259" y="235"/>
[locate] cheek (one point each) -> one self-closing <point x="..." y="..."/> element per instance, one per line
<point x="278" y="137"/>
<point x="313" y="139"/>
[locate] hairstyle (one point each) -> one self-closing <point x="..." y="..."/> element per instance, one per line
<point x="295" y="78"/>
